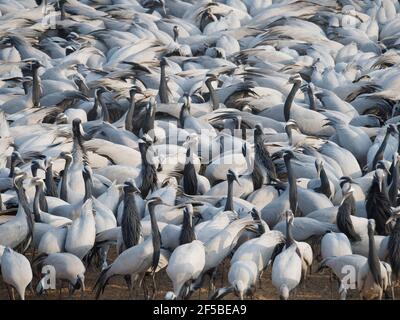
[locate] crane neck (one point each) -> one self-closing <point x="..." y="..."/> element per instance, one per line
<point x="130" y="225"/>
<point x="104" y="111"/>
<point x="289" y="133"/>
<point x="36" y="203"/>
<point x="293" y="197"/>
<point x="394" y="186"/>
<point x="311" y="98"/>
<point x="62" y="10"/>
<point x="185" y="112"/>
<point x="130" y="114"/>
<point x="156" y="238"/>
<point x="49" y="181"/>
<point x="36" y="92"/>
<point x="379" y="154"/>
<point x="289" y="100"/>
<point x="324" y="179"/>
<point x="12" y="168"/>
<point x="373" y="259"/>
<point x="163" y="89"/>
<point x="64" y="181"/>
<point x="23" y="201"/>
<point x="289" y="235"/>
<point x="88" y="187"/>
<point x="187" y="233"/>
<point x="190" y="183"/>
<point x="229" y="198"/>
<point x="213" y="95"/>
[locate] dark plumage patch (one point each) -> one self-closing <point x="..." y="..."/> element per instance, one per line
<point x="277" y="250"/>
<point x="394" y="185"/>
<point x="324" y="188"/>
<point x="51" y="188"/>
<point x="257" y="176"/>
<point x="263" y="157"/>
<point x="149" y="173"/>
<point x="187" y="233"/>
<point x="101" y="282"/>
<point x="131" y="227"/>
<point x="88" y="184"/>
<point x="373" y="259"/>
<point x="156" y="237"/>
<point x="343" y="219"/>
<point x="394" y="250"/>
<point x="190" y="182"/>
<point x="378" y="207"/>
<point x="23" y="201"/>
<point x="256" y="218"/>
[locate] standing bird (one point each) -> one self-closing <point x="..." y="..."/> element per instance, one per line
<point x="148" y="174"/>
<point x="130" y="224"/>
<point x="334" y="244"/>
<point x="136" y="260"/>
<point x="293" y="197"/>
<point x="81" y="234"/>
<point x="18" y="231"/>
<point x="185" y="266"/>
<point x="16" y="272"/>
<point x="372" y="278"/>
<point x="377" y="202"/>
<point x="163" y="91"/>
<point x="68" y="268"/>
<point x="262" y="157"/>
<point x="287" y="266"/>
<point x="325" y="186"/>
<point x="242" y="277"/>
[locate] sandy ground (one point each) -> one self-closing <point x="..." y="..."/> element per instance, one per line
<point x="316" y="287"/>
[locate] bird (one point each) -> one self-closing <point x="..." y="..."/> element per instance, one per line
<point x="82" y="232"/>
<point x="229" y="128"/>
<point x="242" y="277"/>
<point x="67" y="266"/>
<point x="185" y="266"/>
<point x="287" y="266"/>
<point x="16" y="272"/>
<point x="135" y="260"/>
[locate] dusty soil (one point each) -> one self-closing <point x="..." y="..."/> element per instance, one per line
<point x="316" y="287"/>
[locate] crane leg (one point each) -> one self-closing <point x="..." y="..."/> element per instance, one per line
<point x="103" y="256"/>
<point x="128" y="281"/>
<point x="70" y="290"/>
<point x="212" y="280"/>
<point x="60" y="289"/>
<point x="33" y="255"/>
<point x="10" y="291"/>
<point x="295" y="293"/>
<point x="259" y="279"/>
<point x="304" y="278"/>
<point x="153" y="276"/>
<point x="144" y="287"/>
<point x="392" y="288"/>
<point x="30" y="286"/>
<point x="223" y="274"/>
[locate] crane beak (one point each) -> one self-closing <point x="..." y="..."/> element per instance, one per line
<point x="19" y="157"/>
<point x="236" y="179"/>
<point x="328" y="123"/>
<point x="41" y="166"/>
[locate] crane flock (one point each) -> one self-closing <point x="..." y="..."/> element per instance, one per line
<point x="216" y="147"/>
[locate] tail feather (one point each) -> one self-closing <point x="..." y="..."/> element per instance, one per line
<point x="220" y="293"/>
<point x="102" y="282"/>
